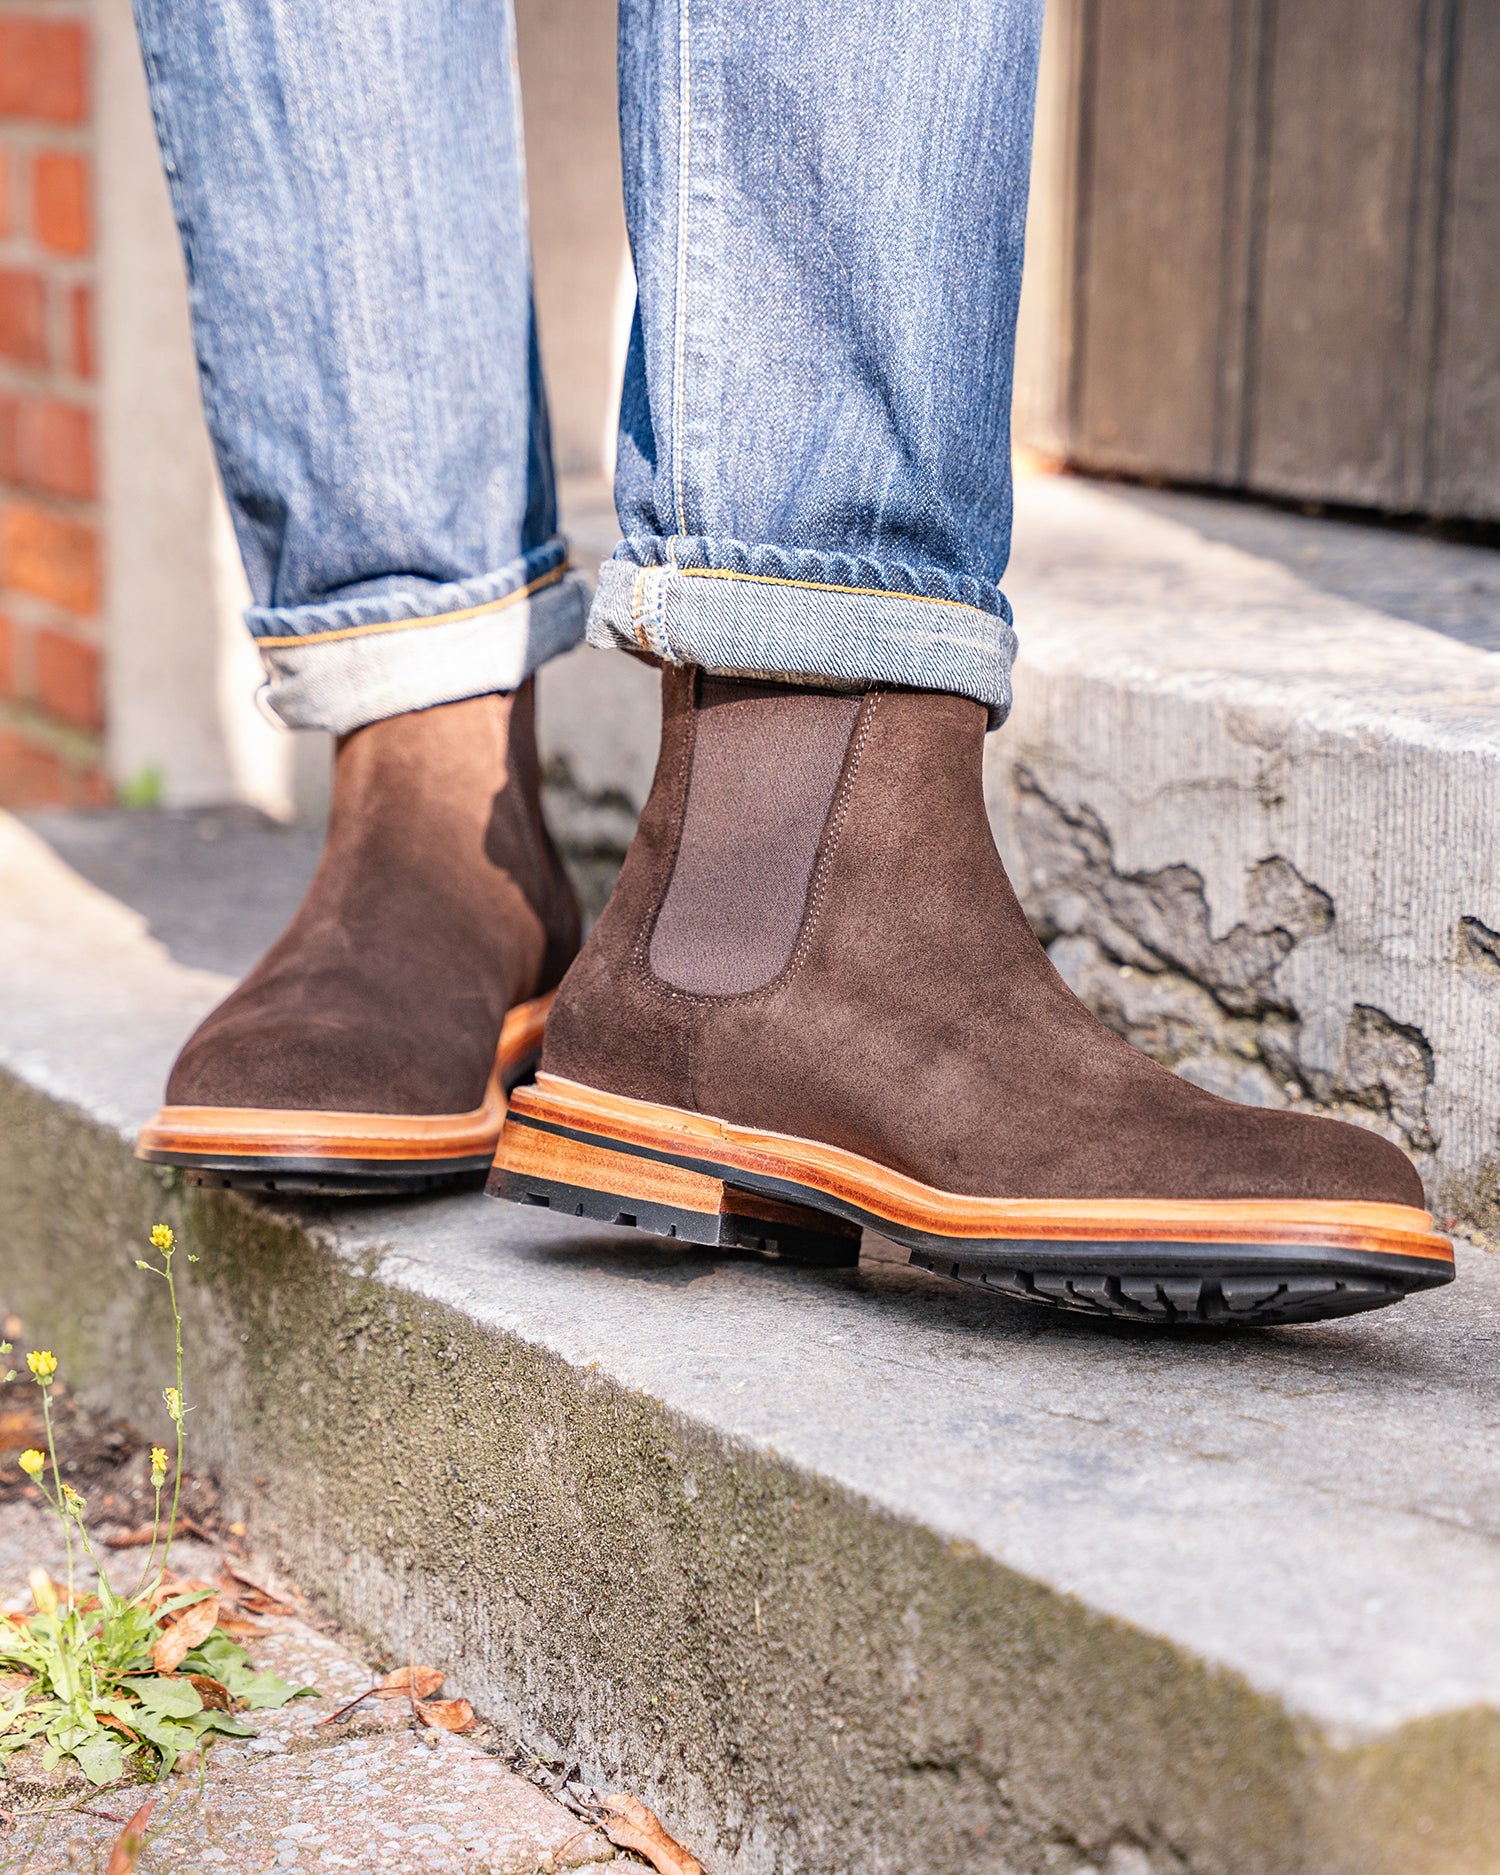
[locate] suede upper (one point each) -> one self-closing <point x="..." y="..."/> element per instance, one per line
<point x="438" y="904"/>
<point x="919" y="1022"/>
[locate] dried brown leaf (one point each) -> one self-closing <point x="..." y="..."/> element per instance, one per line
<point x="259" y="1604"/>
<point x="448" y="1715"/>
<point x="118" y="1725"/>
<point x="171" y="1586"/>
<point x="630" y="1825"/>
<point x="144" y="1533"/>
<point x="214" y="1693"/>
<point x="130" y="1842"/>
<point x="188" y="1630"/>
<point x="408" y="1682"/>
<point x="239" y="1627"/>
<point x="256" y="1596"/>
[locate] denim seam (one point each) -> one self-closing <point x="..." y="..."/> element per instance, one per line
<point x="297" y="639"/>
<point x="637" y="610"/>
<point x="648" y="613"/>
<point x="684" y="173"/>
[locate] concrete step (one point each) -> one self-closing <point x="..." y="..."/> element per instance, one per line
<point x="843" y="1571"/>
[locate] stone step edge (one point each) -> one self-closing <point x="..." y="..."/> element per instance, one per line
<point x="805" y="1680"/>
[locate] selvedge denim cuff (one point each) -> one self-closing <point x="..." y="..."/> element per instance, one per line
<point x="755" y="624"/>
<point x="349" y="662"/>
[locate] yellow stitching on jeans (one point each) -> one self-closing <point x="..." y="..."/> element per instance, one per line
<point x="684" y="177"/>
<point x="813" y="585"/>
<point x="411" y="624"/>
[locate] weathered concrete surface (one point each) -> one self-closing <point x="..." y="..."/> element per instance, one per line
<point x="840" y="1570"/>
<point x="366" y="1793"/>
<point x="1251" y="794"/>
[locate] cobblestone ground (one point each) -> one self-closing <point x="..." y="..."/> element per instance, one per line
<point x="374" y="1794"/>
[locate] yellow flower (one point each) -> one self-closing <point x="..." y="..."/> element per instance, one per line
<point x="174" y="1403"/>
<point x="42" y="1363"/>
<point x="72" y="1501"/>
<point x="33" y="1463"/>
<point x="162" y="1237"/>
<point x="158" y="1467"/>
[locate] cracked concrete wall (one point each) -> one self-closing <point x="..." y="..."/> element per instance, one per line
<point x="1285" y="946"/>
<point x="1142" y="952"/>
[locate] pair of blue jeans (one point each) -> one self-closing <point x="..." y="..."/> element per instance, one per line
<point x="826" y="204"/>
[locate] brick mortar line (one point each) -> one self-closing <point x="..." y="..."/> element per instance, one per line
<point x="82" y="510"/>
<point x="20" y="607"/>
<point x="77" y="136"/>
<point x="77" y="747"/>
<point x="83" y="393"/>
<point x="25" y="252"/>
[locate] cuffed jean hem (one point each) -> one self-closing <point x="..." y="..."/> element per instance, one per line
<point x="341" y="677"/>
<point x="749" y="625"/>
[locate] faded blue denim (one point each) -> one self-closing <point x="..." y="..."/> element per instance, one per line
<point x="826" y="205"/>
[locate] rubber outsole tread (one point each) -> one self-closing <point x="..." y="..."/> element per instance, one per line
<point x="1176" y="1298"/>
<point x="715" y="1230"/>
<point x="293" y="1184"/>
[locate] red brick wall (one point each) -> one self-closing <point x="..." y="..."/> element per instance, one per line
<point x="51" y="691"/>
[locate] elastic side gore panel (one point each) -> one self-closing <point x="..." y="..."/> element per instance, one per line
<point x="765" y="765"/>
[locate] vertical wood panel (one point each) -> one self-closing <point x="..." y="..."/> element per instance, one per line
<point x="1242" y="228"/>
<point x="1284" y="223"/>
<point x="1332" y="316"/>
<point x="1463" y="453"/>
<point x="1150" y="295"/>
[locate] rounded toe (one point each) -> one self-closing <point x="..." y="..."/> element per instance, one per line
<point x="1349" y="1163"/>
<point x="229" y="1063"/>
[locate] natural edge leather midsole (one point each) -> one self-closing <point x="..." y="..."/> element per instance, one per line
<point x="199" y="1135"/>
<point x="791" y="1167"/>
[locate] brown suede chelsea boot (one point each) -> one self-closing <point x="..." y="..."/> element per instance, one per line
<point x="814" y="1004"/>
<point x="372" y="1048"/>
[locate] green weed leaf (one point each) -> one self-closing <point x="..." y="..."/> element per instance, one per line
<point x="101" y="1758"/>
<point x="168" y="1699"/>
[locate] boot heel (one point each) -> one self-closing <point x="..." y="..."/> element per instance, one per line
<point x="581" y="1179"/>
